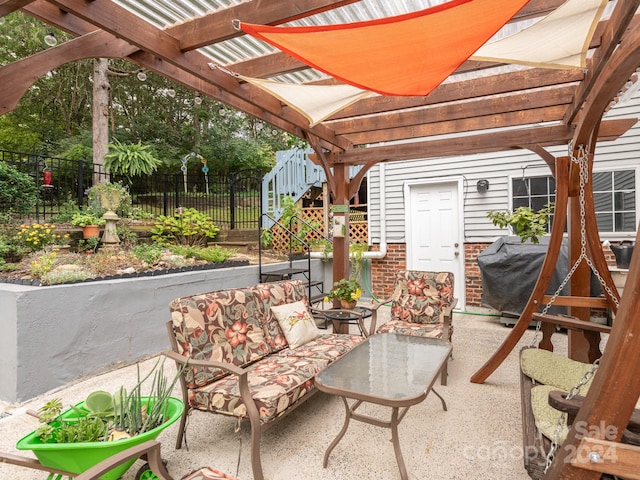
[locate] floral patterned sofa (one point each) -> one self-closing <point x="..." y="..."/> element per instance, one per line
<point x="237" y="360"/>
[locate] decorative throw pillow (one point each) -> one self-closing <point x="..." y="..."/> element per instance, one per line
<point x="296" y="323"/>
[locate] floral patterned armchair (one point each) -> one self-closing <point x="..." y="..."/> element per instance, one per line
<point x="421" y="305"/>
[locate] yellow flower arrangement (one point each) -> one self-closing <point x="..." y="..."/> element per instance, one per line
<point x="36" y="236"/>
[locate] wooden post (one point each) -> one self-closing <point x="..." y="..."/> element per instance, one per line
<point x="341" y="228"/>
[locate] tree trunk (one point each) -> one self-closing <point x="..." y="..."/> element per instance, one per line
<point x="100" y="113"/>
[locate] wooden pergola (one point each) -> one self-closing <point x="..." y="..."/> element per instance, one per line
<point x="488" y="109"/>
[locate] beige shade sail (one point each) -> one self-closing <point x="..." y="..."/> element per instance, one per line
<point x="559" y="40"/>
<point x="315" y="102"/>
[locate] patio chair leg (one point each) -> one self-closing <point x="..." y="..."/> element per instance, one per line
<point x="256" y="462"/>
<point x="183" y="426"/>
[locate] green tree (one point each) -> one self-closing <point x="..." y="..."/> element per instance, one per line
<point x="54" y="116"/>
<point x="18" y="193"/>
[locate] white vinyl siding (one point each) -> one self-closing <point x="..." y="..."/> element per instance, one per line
<point x="499" y="168"/>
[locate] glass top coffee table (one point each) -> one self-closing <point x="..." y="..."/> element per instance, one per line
<point x="387" y="369"/>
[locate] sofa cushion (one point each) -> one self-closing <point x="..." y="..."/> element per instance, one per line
<point x="218" y="326"/>
<point x="328" y="347"/>
<point x="296" y="323"/>
<point x="272" y="295"/>
<point x="275" y="382"/>
<point x="433" y="330"/>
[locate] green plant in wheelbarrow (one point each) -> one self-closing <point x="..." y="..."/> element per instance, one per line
<point x="103" y="425"/>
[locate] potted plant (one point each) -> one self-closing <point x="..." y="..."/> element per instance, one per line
<point x="107" y="197"/>
<point x="347" y="292"/>
<point x="89" y="222"/>
<point x="523" y="221"/>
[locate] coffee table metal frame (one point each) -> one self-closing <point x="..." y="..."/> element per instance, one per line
<point x="341" y="379"/>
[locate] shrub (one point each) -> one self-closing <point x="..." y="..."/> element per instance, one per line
<point x="187" y="228"/>
<point x="149" y="254"/>
<point x="214" y="254"/>
<point x="18" y="193"/>
<point x="130" y="160"/>
<point x="12" y="249"/>
<point x="67" y="210"/>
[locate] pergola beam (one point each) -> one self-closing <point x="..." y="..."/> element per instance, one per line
<point x="513" y="102"/>
<point x="499" y="84"/>
<point x="478" y="143"/>
<point x="216" y="26"/>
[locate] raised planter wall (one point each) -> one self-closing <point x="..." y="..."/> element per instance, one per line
<point x="54" y="335"/>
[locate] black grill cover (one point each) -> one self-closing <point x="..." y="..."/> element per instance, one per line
<point x="510" y="270"/>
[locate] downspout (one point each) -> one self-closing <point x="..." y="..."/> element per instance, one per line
<point x="382" y="252"/>
<point x="383" y="218"/>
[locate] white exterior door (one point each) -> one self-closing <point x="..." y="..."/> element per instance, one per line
<point x="434" y="226"/>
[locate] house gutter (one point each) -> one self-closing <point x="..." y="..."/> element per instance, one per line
<point x="382" y="252"/>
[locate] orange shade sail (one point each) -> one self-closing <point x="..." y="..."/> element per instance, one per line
<point x="407" y="55"/>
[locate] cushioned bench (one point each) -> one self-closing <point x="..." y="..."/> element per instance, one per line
<point x="250" y="353"/>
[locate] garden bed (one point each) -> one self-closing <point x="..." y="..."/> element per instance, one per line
<point x="106" y="265"/>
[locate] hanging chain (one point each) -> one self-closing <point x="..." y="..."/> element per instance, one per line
<point x="584" y="177"/>
<point x="551" y="454"/>
<point x="581" y="160"/>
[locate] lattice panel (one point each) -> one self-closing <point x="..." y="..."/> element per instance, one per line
<point x="358" y="229"/>
<point x="359" y="232"/>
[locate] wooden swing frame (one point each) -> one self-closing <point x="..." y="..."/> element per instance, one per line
<point x="615" y="390"/>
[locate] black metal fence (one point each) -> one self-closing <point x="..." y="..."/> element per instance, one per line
<point x="232" y="201"/>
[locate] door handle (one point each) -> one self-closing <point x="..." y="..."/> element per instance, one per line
<point x="457" y="254"/>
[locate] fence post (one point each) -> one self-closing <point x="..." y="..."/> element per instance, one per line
<point x="165" y="194"/>
<point x="176" y="182"/>
<point x="80" y="183"/>
<point x="232" y="201"/>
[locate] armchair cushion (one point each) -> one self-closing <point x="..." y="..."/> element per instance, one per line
<point x="421" y="297"/>
<point x="415" y="329"/>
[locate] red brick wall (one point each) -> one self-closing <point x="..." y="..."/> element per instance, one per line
<point x="381" y="275"/>
<point x="382" y="270"/>
<point x="472" y="274"/>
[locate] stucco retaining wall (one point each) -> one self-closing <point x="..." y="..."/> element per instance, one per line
<point x="54" y="335"/>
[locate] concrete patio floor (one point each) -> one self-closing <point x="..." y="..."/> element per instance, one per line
<point x="479" y="437"/>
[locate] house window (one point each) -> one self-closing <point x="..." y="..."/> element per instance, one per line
<point x="614" y="195"/>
